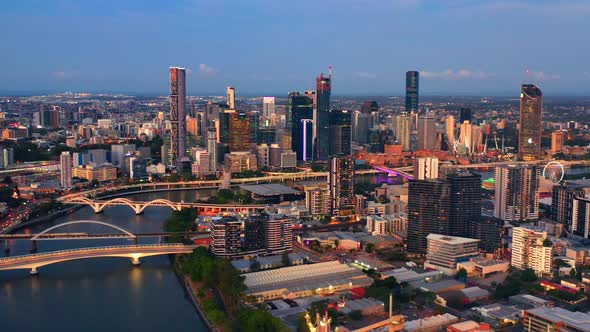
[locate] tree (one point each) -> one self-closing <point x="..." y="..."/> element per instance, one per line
<point x="94" y="183"/>
<point x="253" y="320"/>
<point x="461" y="275"/>
<point x="528" y="275"/>
<point x="225" y="194"/>
<point x="174" y="177"/>
<point x="369" y="247"/>
<point x="302" y="323"/>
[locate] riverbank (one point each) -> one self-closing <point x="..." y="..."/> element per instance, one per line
<point x="192" y="292"/>
<point x="39" y="220"/>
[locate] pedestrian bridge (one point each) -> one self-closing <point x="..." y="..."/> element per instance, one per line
<point x="133" y="252"/>
<point x="138" y="206"/>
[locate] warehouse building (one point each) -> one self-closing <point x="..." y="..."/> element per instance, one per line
<point x="304" y="280"/>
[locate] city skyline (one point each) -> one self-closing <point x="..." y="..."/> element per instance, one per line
<point x="127" y="52"/>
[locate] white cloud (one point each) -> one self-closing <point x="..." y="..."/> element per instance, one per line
<point x="365" y="75"/>
<point x="207" y="70"/>
<point x="450" y="74"/>
<point x="541" y="76"/>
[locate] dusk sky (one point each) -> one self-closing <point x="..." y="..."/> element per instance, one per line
<point x="276" y="46"/>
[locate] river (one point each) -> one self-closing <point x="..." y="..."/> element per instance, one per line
<point x="104" y="294"/>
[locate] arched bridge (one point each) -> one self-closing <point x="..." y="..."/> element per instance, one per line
<point x="133" y="252"/>
<point x="139" y="206"/>
<point x="45" y="235"/>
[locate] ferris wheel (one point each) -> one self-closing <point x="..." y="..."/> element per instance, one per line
<point x="554" y="172"/>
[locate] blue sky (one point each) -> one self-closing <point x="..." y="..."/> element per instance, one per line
<point x="277" y="46"/>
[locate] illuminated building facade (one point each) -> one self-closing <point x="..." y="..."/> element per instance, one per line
<point x="529" y="134"/>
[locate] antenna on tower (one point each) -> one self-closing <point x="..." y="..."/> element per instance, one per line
<point x="330" y="71"/>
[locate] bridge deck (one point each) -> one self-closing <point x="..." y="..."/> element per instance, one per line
<point x="40" y="259"/>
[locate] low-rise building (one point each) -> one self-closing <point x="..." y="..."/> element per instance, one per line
<point x="499" y="315"/>
<point x="483" y="268"/>
<point x="99" y="173"/>
<point x="367" y="306"/>
<point x="304" y="280"/>
<point x="430" y="324"/>
<point x="555" y="319"/>
<point x="528" y="301"/>
<point x="468" y="326"/>
<point x="404" y="275"/>
<point x="376" y="225"/>
<point x="445" y="252"/>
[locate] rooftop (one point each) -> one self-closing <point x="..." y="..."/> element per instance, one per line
<point x="578" y="320"/>
<point x="405" y="275"/>
<point x="451" y="239"/>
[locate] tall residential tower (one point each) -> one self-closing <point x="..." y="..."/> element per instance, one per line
<point x="322" y="117"/>
<point x="177" y="115"/>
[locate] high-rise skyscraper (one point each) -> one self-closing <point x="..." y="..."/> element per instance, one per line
<point x="341" y="185"/>
<point x="450" y="131"/>
<point x="516" y="193"/>
<point x="340" y="132"/>
<point x="465" y="209"/>
<point x="427" y="133"/>
<point x="322" y="118"/>
<point x="212" y="149"/>
<point x="301" y="108"/>
<point x="442" y="206"/>
<point x="465" y="114"/>
<point x="580" y="224"/>
<point x="268" y="107"/>
<point x="412" y="87"/>
<point x="529" y="133"/>
<point x="231" y="98"/>
<point x="562" y="203"/>
<point x="403" y="130"/>
<point x="360" y="127"/>
<point x="239" y="131"/>
<point x="65" y="170"/>
<point x="426" y="168"/>
<point x="177" y="115"/>
<point x="428" y="212"/>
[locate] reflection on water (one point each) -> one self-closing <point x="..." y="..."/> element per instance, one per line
<point x="102" y="294"/>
